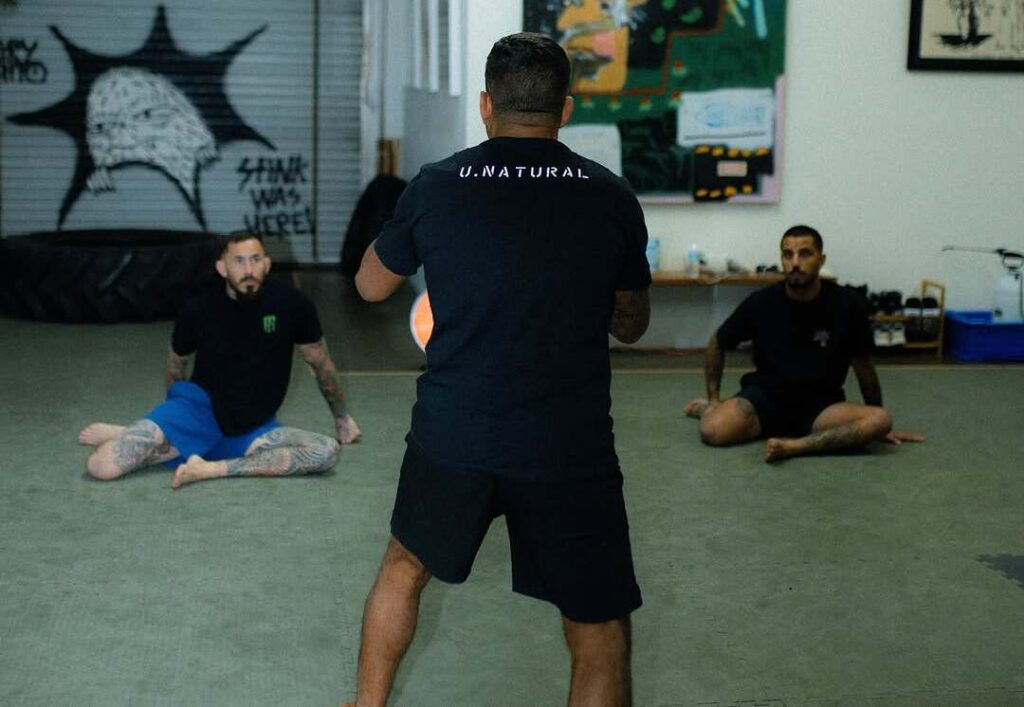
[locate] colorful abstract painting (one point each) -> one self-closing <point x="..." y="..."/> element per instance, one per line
<point x="683" y="98"/>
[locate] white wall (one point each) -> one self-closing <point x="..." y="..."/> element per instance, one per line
<point x="429" y="124"/>
<point x="890" y="165"/>
<point x="436" y="118"/>
<point x="387" y="70"/>
<point x="396" y="62"/>
<point x="484" y="26"/>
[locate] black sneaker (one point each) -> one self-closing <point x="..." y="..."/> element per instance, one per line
<point x="874" y="303"/>
<point x="912" y="310"/>
<point x="930" y="314"/>
<point x="892" y="302"/>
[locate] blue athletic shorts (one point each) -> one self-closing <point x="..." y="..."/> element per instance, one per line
<point x="187" y="421"/>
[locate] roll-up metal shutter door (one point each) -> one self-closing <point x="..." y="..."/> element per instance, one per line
<point x="186" y="115"/>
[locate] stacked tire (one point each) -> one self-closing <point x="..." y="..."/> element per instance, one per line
<point x="103" y="276"/>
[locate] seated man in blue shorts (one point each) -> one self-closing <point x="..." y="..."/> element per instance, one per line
<point x="806" y="333"/>
<point x="221" y="421"/>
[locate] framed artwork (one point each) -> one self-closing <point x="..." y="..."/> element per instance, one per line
<point x="683" y="98"/>
<point x="966" y="35"/>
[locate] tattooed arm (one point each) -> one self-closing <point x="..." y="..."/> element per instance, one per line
<point x="177" y="367"/>
<point x="871" y="391"/>
<point x="330" y="387"/>
<point x="867" y="379"/>
<point x="631" y="313"/>
<point x="714" y="364"/>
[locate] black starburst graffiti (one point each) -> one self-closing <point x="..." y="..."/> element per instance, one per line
<point x="158" y="107"/>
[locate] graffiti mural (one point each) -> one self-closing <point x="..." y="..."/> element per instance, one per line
<point x="681" y="97"/>
<point x="17" y="64"/>
<point x="278" y="203"/>
<point x="157" y="107"/>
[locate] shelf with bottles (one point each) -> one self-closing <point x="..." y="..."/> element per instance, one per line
<point x="662" y="278"/>
<point x="916" y="323"/>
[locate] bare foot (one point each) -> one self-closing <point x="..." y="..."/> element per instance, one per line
<point x="776" y="449"/>
<point x="99" y="432"/>
<point x="696" y="407"/>
<point x="197" y="469"/>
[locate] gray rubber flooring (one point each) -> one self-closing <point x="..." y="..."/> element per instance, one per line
<point x="888" y="577"/>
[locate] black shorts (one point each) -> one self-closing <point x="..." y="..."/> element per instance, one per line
<point x="569" y="539"/>
<point x="784" y="415"/>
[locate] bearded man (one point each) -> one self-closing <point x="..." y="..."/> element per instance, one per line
<point x="806" y="333"/>
<point x="221" y="421"/>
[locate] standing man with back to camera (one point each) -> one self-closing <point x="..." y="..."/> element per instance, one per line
<point x="532" y="255"/>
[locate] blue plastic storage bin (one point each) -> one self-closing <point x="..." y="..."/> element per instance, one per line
<point x="973" y="336"/>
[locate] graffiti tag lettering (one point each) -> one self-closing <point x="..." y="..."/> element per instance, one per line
<point x="17" y="64"/>
<point x="278" y="205"/>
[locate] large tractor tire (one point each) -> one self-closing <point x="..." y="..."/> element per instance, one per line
<point x="103" y="276"/>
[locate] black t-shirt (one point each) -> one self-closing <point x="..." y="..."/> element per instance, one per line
<point x="801" y="349"/>
<point x="244" y="349"/>
<point x="523" y="243"/>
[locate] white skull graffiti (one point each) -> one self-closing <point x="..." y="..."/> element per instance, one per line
<point x="136" y="116"/>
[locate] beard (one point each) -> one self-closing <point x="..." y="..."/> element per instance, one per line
<point x="247" y="289"/>
<point x="799" y="280"/>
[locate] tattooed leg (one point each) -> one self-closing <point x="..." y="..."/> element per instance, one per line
<point x="99" y="432"/>
<point x="839" y="427"/>
<point x="285" y="451"/>
<point x="140" y="444"/>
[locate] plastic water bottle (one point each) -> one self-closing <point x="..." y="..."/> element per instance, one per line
<point x="1008" y="299"/>
<point x="653" y="253"/>
<point x="693" y="261"/>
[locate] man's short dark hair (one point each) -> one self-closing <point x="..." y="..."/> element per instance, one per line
<point x="802" y="230"/>
<point x="237" y="237"/>
<point x="527" y="77"/>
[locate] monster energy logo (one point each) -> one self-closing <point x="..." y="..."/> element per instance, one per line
<point x="269" y="323"/>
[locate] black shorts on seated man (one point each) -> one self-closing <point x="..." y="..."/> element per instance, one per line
<point x="806" y="333"/>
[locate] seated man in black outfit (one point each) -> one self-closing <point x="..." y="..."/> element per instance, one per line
<point x="806" y="334"/>
<point x="221" y="421"/>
